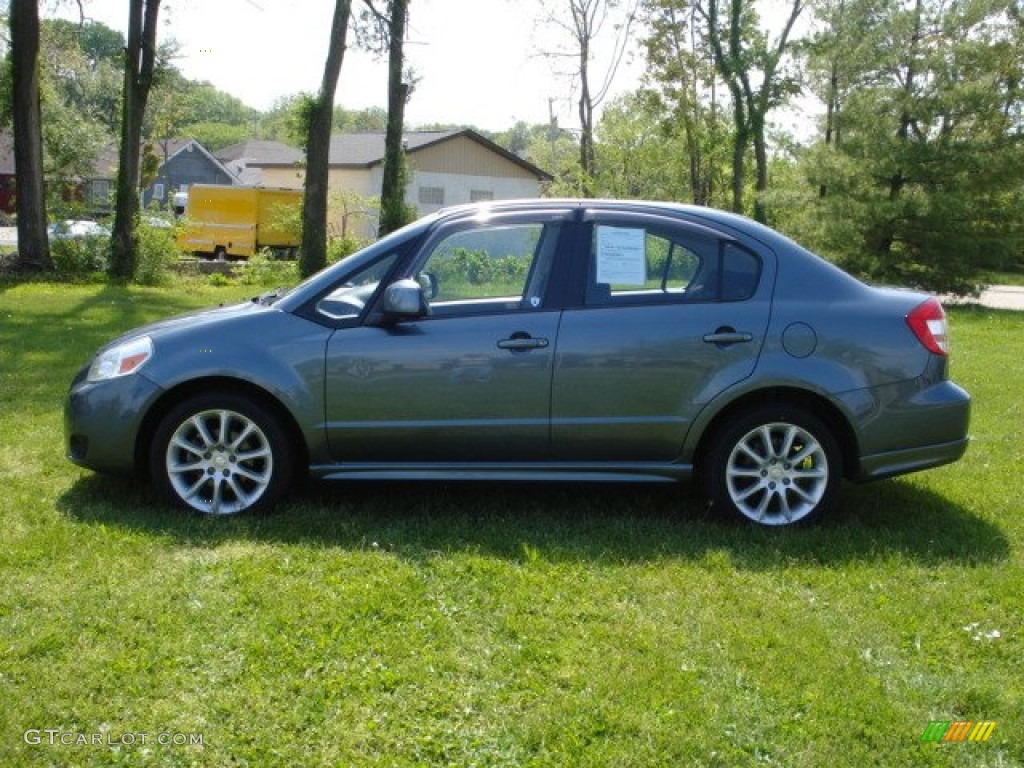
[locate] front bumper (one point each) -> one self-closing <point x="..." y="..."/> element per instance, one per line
<point x="102" y="421"/>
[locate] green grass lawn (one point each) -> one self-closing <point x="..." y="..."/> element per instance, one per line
<point x="496" y="625"/>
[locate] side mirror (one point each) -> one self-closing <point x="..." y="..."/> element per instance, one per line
<point x="403" y="299"/>
<point x="428" y="282"/>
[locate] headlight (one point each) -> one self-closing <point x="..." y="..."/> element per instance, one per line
<point x="121" y="360"/>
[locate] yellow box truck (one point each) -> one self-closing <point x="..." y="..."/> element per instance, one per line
<point x="234" y="222"/>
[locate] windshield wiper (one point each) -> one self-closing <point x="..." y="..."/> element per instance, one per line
<point x="270" y="296"/>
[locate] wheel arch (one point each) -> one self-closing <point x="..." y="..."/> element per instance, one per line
<point x="816" y="404"/>
<point x="205" y="385"/>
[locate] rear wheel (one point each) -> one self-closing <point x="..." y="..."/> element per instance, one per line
<point x="775" y="465"/>
<point x="221" y="454"/>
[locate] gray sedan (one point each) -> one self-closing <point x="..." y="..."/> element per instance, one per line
<point x="539" y="340"/>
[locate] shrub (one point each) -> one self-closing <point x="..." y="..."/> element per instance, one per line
<point x="263" y="269"/>
<point x="77" y="257"/>
<point x="340" y="247"/>
<point x="157" y="252"/>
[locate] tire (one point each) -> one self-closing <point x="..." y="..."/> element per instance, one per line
<point x="221" y="454"/>
<point x="775" y="466"/>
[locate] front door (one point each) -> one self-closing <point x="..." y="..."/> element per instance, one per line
<point x="470" y="381"/>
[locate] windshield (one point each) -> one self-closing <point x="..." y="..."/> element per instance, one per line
<point x="326" y="278"/>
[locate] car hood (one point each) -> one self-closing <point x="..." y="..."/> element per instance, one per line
<point x="191" y="320"/>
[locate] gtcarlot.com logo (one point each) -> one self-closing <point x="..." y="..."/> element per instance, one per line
<point x="57" y="737"/>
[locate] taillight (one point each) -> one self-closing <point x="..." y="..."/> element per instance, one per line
<point x="928" y="322"/>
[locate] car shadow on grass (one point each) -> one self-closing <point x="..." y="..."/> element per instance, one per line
<point x="594" y="522"/>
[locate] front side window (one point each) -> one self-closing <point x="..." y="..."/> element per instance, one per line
<point x="491" y="268"/>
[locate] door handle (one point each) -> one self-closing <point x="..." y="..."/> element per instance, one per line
<point x="726" y="335"/>
<point x="519" y="342"/>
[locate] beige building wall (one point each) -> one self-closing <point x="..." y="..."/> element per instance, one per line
<point x="451" y="172"/>
<point x="289" y="178"/>
<point x="353" y="200"/>
<point x="464" y="156"/>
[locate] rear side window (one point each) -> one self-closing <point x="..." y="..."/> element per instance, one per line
<point x="645" y="265"/>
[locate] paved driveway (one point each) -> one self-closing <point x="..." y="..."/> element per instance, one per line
<point x="996" y="297"/>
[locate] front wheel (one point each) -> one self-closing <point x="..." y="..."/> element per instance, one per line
<point x="775" y="466"/>
<point x="221" y="454"/>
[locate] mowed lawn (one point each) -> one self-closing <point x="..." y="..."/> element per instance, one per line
<point x="496" y="625"/>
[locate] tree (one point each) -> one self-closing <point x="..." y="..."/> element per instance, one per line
<point x="79" y="66"/>
<point x="394" y="213"/>
<point x="84" y="64"/>
<point x="681" y="67"/>
<point x="318" y="113"/>
<point x="584" y="21"/>
<point x="140" y="63"/>
<point x="33" y="243"/>
<point x="743" y="56"/>
<point x="924" y="187"/>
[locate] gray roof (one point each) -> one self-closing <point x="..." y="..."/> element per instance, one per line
<point x="364" y="150"/>
<point x="260" y="152"/>
<point x="355" y="150"/>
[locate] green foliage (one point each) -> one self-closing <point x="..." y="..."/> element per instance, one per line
<point x="81" y="69"/>
<point x="215" y="136"/>
<point x="340" y="247"/>
<point x="157" y="250"/>
<point x="922" y="185"/>
<point x="264" y="270"/>
<point x="79" y="257"/>
<point x="476" y="268"/>
<point x="395" y="213"/>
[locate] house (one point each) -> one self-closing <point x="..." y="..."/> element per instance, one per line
<point x="6" y="173"/>
<point x="92" y="192"/>
<point x="182" y="163"/>
<point x="445" y="168"/>
<point x="247" y="160"/>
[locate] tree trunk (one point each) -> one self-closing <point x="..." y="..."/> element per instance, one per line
<point x="760" y="166"/>
<point x="586" y="112"/>
<point x="33" y="244"/>
<point x="739" y="150"/>
<point x="140" y="61"/>
<point x="393" y="213"/>
<point x="318" y="147"/>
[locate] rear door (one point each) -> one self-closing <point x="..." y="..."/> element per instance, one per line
<point x="669" y="314"/>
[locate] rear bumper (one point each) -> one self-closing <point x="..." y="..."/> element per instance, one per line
<point x="907" y="431"/>
<point x="882" y="465"/>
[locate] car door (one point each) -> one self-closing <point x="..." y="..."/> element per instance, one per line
<point x="471" y="380"/>
<point x="670" y="314"/>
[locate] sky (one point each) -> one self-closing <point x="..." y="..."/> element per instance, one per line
<point x="477" y="61"/>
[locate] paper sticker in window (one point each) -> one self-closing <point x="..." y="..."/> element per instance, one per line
<point x="620" y="256"/>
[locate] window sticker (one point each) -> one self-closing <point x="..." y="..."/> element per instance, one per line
<point x="620" y="256"/>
